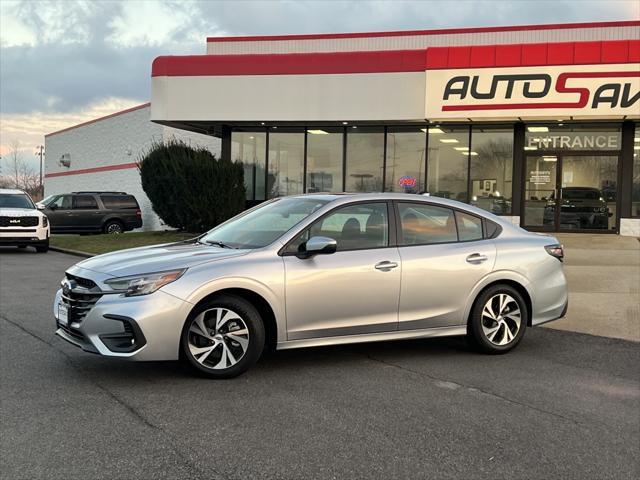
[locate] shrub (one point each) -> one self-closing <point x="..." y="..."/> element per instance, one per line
<point x="189" y="188"/>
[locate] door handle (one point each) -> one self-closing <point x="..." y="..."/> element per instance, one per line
<point x="385" y="266"/>
<point x="476" y="258"/>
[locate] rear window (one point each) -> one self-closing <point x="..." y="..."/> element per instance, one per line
<point x="119" y="202"/>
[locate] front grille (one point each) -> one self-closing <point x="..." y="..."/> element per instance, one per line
<point x="19" y="221"/>
<point x="79" y="295"/>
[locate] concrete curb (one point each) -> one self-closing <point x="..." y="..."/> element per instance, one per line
<point x="76" y="253"/>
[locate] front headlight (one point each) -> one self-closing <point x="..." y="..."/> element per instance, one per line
<point x="144" y="284"/>
<point x="45" y="221"/>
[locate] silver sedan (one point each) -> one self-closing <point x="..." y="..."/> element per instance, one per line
<point x="316" y="270"/>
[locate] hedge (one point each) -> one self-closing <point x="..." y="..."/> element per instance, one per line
<point x="189" y="188"/>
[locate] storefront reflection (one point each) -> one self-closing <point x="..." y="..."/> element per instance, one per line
<point x="582" y="208"/>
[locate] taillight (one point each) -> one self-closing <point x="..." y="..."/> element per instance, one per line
<point x="555" y="251"/>
<point x="139" y="213"/>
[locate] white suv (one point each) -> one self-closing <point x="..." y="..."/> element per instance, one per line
<point x="21" y="223"/>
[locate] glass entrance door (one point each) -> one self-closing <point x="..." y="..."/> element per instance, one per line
<point x="540" y="188"/>
<point x="584" y="187"/>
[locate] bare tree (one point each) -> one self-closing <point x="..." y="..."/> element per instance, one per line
<point x="22" y="175"/>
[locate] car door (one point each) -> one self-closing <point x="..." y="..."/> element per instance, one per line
<point x="86" y="213"/>
<point x="352" y="291"/>
<point x="443" y="255"/>
<point x="59" y="212"/>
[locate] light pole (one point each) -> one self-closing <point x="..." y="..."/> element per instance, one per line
<point x="40" y="153"/>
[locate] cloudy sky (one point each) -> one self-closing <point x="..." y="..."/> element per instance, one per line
<point x="64" y="62"/>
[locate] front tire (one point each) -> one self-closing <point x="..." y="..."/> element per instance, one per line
<point x="223" y="337"/>
<point x="498" y="320"/>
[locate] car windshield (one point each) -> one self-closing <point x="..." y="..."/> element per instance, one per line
<point x="581" y="194"/>
<point x="263" y="225"/>
<point x="19" y="200"/>
<point x="46" y="200"/>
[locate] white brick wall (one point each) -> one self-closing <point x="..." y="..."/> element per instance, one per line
<point x="116" y="140"/>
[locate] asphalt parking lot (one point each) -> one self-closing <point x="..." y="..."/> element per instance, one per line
<point x="562" y="405"/>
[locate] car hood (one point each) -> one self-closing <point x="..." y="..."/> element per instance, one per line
<point x="157" y="258"/>
<point x="20" y="212"/>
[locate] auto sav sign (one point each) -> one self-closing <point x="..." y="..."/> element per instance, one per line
<point x="551" y="92"/>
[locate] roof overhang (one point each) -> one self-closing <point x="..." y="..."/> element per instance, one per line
<point x="496" y="82"/>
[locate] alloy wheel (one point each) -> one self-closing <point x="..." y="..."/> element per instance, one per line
<point x="114" y="228"/>
<point x="218" y="338"/>
<point x="501" y="319"/>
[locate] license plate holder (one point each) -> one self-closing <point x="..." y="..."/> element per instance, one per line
<point x="63" y="314"/>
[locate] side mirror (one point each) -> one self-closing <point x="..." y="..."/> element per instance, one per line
<point x="39" y="206"/>
<point x="318" y="246"/>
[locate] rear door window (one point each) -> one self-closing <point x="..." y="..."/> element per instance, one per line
<point x="84" y="202"/>
<point x="119" y="202"/>
<point x="424" y="224"/>
<point x="469" y="227"/>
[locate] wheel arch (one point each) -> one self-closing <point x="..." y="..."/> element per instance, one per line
<point x="261" y="304"/>
<point x="512" y="280"/>
<point x="112" y="219"/>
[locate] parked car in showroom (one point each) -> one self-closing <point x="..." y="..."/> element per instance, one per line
<point x="316" y="270"/>
<point x="582" y="208"/>
<point x="21" y="223"/>
<point x="93" y="212"/>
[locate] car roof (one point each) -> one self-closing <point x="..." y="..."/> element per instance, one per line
<point x="345" y="198"/>
<point x="406" y="197"/>
<point x="12" y="191"/>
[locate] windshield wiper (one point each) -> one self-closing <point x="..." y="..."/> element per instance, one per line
<point x="218" y="243"/>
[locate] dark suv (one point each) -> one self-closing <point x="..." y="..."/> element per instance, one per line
<point x="93" y="212"/>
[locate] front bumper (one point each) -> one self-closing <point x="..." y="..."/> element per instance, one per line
<point x="154" y="323"/>
<point x="24" y="236"/>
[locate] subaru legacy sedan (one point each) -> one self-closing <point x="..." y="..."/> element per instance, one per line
<point x="315" y="270"/>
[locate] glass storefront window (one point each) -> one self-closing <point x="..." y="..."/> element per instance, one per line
<point x="448" y="162"/>
<point x="365" y="156"/>
<point x="324" y="159"/>
<point x="249" y="148"/>
<point x="406" y="148"/>
<point x="635" y="193"/>
<point x="572" y="137"/>
<point x="286" y="163"/>
<point x="492" y="169"/>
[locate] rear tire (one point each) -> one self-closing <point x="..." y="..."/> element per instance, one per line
<point x="223" y="337"/>
<point x="113" y="227"/>
<point x="498" y="320"/>
<point x="44" y="248"/>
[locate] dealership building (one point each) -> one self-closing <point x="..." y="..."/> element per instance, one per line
<point x="102" y="154"/>
<point x="535" y="123"/>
